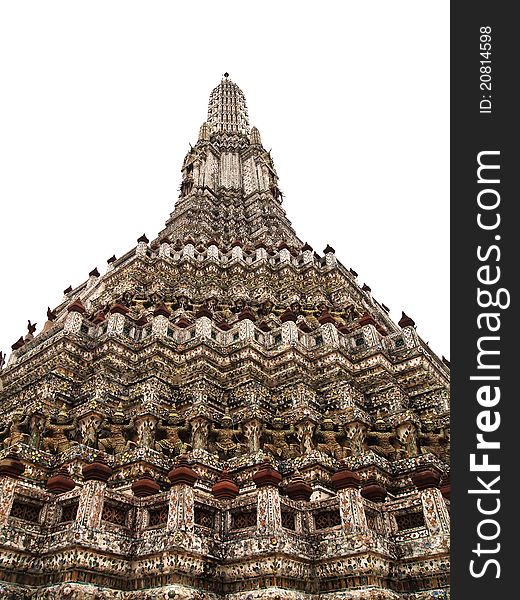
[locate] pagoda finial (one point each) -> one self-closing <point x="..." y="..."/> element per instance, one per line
<point x="227" y="110"/>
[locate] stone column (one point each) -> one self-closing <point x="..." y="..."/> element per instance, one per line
<point x="409" y="334"/>
<point x="93" y="277"/>
<point x="74" y="318"/>
<point x="164" y="249"/>
<point x="92" y="496"/>
<point x="370" y="335"/>
<point x="110" y="263"/>
<point x="160" y="321"/>
<point x="90" y="505"/>
<point x="289" y="333"/>
<point x="142" y="246"/>
<point x="434" y="508"/>
<point x="236" y="252"/>
<point x="7" y="488"/>
<point x="212" y="251"/>
<point x="307" y="254"/>
<point x="260" y="253"/>
<point x="11" y="467"/>
<point x="330" y="257"/>
<point x="189" y="250"/>
<point x="181" y="501"/>
<point x="285" y="255"/>
<point x="269" y="513"/>
<point x="203" y="327"/>
<point x="330" y="334"/>
<point x="115" y="323"/>
<point x="352" y="511"/>
<point x="246" y="329"/>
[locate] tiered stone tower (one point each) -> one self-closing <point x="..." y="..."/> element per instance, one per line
<point x="224" y="414"/>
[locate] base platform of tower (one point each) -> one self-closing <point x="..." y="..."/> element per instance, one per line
<point x="223" y="413"/>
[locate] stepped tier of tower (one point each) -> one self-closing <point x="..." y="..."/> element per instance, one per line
<point x="224" y="412"/>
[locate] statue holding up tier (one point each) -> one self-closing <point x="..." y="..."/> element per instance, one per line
<point x="331" y="440"/>
<point x="60" y="430"/>
<point x="187" y="173"/>
<point x="436" y="443"/>
<point x="15" y="431"/>
<point x="226" y="436"/>
<point x="113" y="433"/>
<point x="382" y="441"/>
<point x="173" y="443"/>
<point x="279" y="446"/>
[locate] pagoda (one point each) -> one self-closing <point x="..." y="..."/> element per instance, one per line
<point x="224" y="413"/>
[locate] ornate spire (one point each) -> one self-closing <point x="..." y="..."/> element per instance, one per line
<point x="227" y="110"/>
<point x="229" y="186"/>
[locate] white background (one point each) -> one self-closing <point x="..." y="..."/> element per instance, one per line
<point x="99" y="100"/>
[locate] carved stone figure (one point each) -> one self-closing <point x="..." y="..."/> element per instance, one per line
<point x="199" y="433"/>
<point x="145" y="427"/>
<point x="227" y="438"/>
<point x="331" y="440"/>
<point x="60" y="432"/>
<point x="279" y="446"/>
<point x="90" y="427"/>
<point x="113" y="433"/>
<point x="382" y="441"/>
<point x="187" y="184"/>
<point x="37" y="426"/>
<point x="436" y="443"/>
<point x="173" y="442"/>
<point x="16" y="431"/>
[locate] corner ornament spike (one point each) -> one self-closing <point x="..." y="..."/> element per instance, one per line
<point x="406" y="321"/>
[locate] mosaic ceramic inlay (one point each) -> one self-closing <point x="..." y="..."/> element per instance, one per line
<point x="224" y="413"/>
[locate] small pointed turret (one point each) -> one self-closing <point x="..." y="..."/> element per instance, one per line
<point x="204" y="132"/>
<point x="255" y="137"/>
